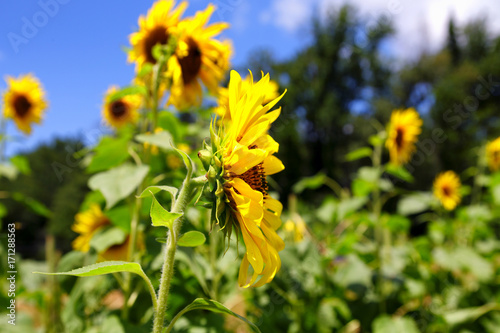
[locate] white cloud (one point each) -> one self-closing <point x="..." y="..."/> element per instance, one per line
<point x="420" y="25"/>
<point x="288" y="14"/>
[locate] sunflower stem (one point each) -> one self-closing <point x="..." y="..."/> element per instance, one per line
<point x="380" y="238"/>
<point x="186" y="194"/>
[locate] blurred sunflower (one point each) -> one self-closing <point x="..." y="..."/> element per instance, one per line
<point x="198" y="57"/>
<point x="403" y="131"/>
<point x="86" y="224"/>
<point x="24" y="101"/>
<point x="223" y="100"/>
<point x="121" y="111"/>
<point x="493" y="154"/>
<point x="447" y="189"/>
<point x="243" y="158"/>
<point x="154" y="29"/>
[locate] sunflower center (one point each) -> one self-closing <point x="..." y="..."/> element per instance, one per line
<point x="158" y="35"/>
<point x="256" y="178"/>
<point x="446" y="191"/>
<point x="399" y="137"/>
<point x="191" y="63"/>
<point x="118" y="108"/>
<point x="21" y="105"/>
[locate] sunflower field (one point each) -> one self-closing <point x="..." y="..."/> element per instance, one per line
<point x="328" y="192"/>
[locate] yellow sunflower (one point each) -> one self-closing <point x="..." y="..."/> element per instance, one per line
<point x="447" y="189"/>
<point x="198" y="57"/>
<point x="121" y="111"/>
<point x="154" y="29"/>
<point x="243" y="157"/>
<point x="24" y="101"/>
<point x="86" y="224"/>
<point x="223" y="100"/>
<point x="493" y="154"/>
<point x="403" y="131"/>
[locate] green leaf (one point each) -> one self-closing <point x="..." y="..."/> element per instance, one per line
<point x="187" y="162"/>
<point x="36" y="206"/>
<point x="109" y="153"/>
<point x="462" y="316"/>
<point x="160" y="217"/>
<point x="210" y="305"/>
<point x="310" y="183"/>
<point x="161" y="139"/>
<point x="150" y="190"/>
<point x="399" y="172"/>
<point x="169" y="122"/>
<point x="415" y="203"/>
<point x="129" y="90"/>
<point x="120" y="217"/>
<point x="112" y="325"/>
<point x="377" y="139"/>
<point x="106" y="267"/>
<point x="386" y="324"/>
<point x="9" y="171"/>
<point x="358" y="154"/>
<point x="191" y="239"/>
<point x="106" y="238"/>
<point x="119" y="182"/>
<point x="22" y="164"/>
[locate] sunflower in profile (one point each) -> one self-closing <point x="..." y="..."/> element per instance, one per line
<point x="447" y="189"/>
<point x="86" y="224"/>
<point x="493" y="154"/>
<point x="198" y="58"/>
<point x="154" y="29"/>
<point x="403" y="131"/>
<point x="222" y="109"/>
<point x="243" y="156"/>
<point x="121" y="111"/>
<point x="24" y="101"/>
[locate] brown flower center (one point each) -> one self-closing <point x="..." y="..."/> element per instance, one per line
<point x="21" y="105"/>
<point x="158" y="35"/>
<point x="256" y="178"/>
<point x="446" y="190"/>
<point x="191" y="63"/>
<point x="118" y="109"/>
<point x="399" y="137"/>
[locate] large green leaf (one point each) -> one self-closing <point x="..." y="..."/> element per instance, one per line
<point x="191" y="239"/>
<point x="210" y="305"/>
<point x="160" y="217"/>
<point x="161" y="139"/>
<point x="359" y="153"/>
<point x="119" y="182"/>
<point x="386" y="324"/>
<point x="22" y="164"/>
<point x="415" y="203"/>
<point x="310" y="183"/>
<point x="461" y="316"/>
<point x="109" y="153"/>
<point x="106" y="267"/>
<point x="399" y="172"/>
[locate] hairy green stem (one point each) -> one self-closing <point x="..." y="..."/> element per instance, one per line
<point x="185" y="196"/>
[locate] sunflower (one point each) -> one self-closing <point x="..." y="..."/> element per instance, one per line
<point x="493" y="154"/>
<point x="403" y="130"/>
<point x="198" y="57"/>
<point x="24" y="101"/>
<point x="223" y="100"/>
<point x="87" y="223"/>
<point x="154" y="29"/>
<point x="121" y="111"/>
<point x="243" y="157"/>
<point x="447" y="189"/>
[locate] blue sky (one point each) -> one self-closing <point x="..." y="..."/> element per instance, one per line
<point x="76" y="53"/>
<point x="76" y="50"/>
